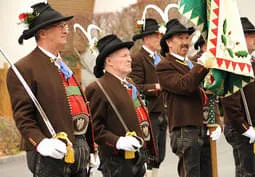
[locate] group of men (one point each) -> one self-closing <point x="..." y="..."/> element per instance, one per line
<point x="126" y="111"/>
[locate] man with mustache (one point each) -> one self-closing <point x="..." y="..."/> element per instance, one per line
<point x="180" y="79"/>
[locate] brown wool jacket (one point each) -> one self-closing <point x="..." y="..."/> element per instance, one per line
<point x="107" y="125"/>
<point x="181" y="86"/>
<point x="233" y="108"/>
<point x="46" y="83"/>
<point x="144" y="75"/>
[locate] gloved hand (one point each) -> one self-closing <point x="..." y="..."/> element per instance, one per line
<point x="51" y="147"/>
<point x="94" y="162"/>
<point x="215" y="135"/>
<point x="128" y="143"/>
<point x="203" y="59"/>
<point x="250" y="133"/>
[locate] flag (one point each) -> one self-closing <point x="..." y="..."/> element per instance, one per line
<point x="196" y="11"/>
<point x="227" y="54"/>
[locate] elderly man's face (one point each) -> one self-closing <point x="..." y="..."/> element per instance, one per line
<point x="250" y="41"/>
<point x="179" y="44"/>
<point x="55" y="35"/>
<point x="119" y="62"/>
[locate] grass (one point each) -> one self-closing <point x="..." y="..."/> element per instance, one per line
<point x="9" y="137"/>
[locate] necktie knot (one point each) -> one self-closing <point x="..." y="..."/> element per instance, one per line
<point x="64" y="68"/>
<point x="133" y="89"/>
<point x="157" y="59"/>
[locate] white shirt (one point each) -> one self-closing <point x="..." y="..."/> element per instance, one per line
<point x="122" y="80"/>
<point x="180" y="57"/>
<point x="151" y="53"/>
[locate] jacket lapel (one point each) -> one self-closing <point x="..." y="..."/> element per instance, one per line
<point x="147" y="57"/>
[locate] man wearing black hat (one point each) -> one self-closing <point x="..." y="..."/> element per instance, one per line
<point x="58" y="93"/>
<point x="117" y="109"/>
<point x="144" y="75"/>
<point x="238" y="131"/>
<point x="180" y="80"/>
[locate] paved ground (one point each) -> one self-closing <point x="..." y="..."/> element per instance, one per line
<point x="15" y="166"/>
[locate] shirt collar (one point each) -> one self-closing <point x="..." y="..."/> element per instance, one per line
<point x="48" y="53"/>
<point x="179" y="57"/>
<point x="151" y="53"/>
<point x="121" y="80"/>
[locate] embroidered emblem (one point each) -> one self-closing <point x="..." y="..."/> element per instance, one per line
<point x="145" y="126"/>
<point x="80" y="124"/>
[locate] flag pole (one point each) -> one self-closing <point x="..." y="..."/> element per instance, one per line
<point x="213" y="149"/>
<point x="211" y="127"/>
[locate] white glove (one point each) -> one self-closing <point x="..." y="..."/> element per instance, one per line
<point x="94" y="162"/>
<point x="215" y="135"/>
<point x="54" y="148"/>
<point x="128" y="143"/>
<point x="250" y="133"/>
<point x="202" y="60"/>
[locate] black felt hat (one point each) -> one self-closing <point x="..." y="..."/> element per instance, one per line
<point x="44" y="16"/>
<point x="248" y="27"/>
<point x="173" y="27"/>
<point x="106" y="46"/>
<point x="151" y="26"/>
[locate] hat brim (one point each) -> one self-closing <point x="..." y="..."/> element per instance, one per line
<point x="100" y="60"/>
<point x="140" y="36"/>
<point x="33" y="30"/>
<point x="249" y="31"/>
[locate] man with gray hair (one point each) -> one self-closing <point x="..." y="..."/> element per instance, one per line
<point x="58" y="93"/>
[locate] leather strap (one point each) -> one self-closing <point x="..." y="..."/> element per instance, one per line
<point x="113" y="106"/>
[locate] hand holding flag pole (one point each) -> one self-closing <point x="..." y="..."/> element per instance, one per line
<point x="219" y="23"/>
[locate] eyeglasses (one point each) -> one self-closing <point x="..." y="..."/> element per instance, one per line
<point x="61" y="26"/>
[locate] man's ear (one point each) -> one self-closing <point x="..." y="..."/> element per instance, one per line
<point x="42" y="33"/>
<point x="108" y="61"/>
<point x="169" y="43"/>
